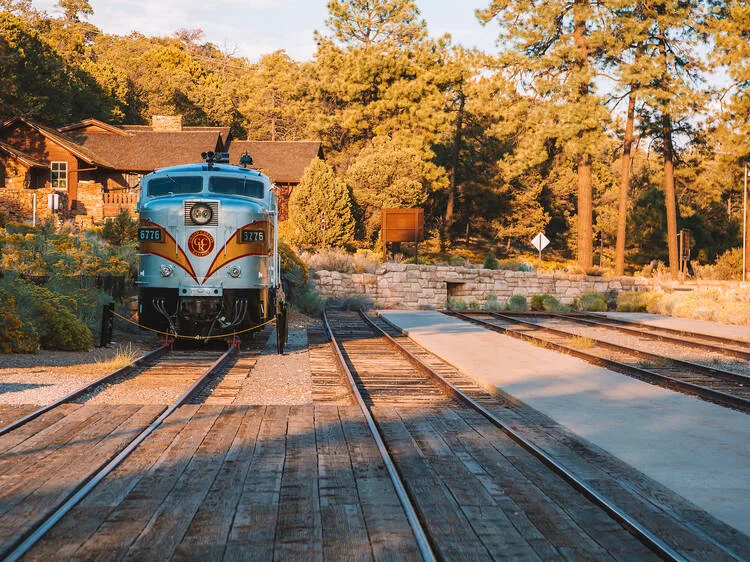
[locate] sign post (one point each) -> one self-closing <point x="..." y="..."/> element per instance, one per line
<point x="540" y="242"/>
<point x="323" y="227"/>
<point x="402" y="225"/>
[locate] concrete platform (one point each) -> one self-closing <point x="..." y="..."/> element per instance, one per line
<point x="698" y="326"/>
<point x="697" y="449"/>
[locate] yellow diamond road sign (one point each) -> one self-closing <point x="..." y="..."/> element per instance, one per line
<point x="540" y="241"/>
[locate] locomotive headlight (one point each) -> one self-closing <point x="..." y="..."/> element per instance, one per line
<point x="234" y="271"/>
<point x="166" y="270"/>
<point x="201" y="214"/>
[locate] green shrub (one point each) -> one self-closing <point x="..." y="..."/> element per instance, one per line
<point x="593" y="302"/>
<point x="52" y="315"/>
<point x="474" y="305"/>
<point x="491" y="303"/>
<point x="309" y="301"/>
<point x="631" y="301"/>
<point x="537" y="301"/>
<point x="294" y="274"/>
<point x="595" y="271"/>
<point x="551" y="304"/>
<point x="121" y="229"/>
<point x="511" y="264"/>
<point x="728" y="265"/>
<point x="350" y="302"/>
<point x="518" y="303"/>
<point x="490" y="262"/>
<point x="455" y="304"/>
<point x="16" y="336"/>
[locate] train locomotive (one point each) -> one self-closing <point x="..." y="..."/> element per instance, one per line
<point x="208" y="251"/>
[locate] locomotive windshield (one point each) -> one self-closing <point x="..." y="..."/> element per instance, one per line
<point x="236" y="186"/>
<point x="175" y="185"/>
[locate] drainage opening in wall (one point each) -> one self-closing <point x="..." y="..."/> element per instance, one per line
<point x="454" y="291"/>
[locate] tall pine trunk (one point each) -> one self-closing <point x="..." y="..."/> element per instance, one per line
<point x="450" y="207"/>
<point x="622" y="208"/>
<point x="585" y="193"/>
<point x="669" y="196"/>
<point x="585" y="214"/>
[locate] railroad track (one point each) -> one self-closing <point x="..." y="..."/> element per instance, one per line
<point x="696" y="340"/>
<point x="51" y="459"/>
<point x="467" y="506"/>
<point x="727" y="388"/>
<point x="87" y="388"/>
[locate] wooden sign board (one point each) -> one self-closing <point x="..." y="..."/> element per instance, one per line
<point x="402" y="225"/>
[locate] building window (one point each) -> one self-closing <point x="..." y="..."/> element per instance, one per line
<point x="59" y="174"/>
<point x="133" y="179"/>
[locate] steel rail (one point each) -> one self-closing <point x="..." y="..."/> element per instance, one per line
<point x="423" y="542"/>
<point x="612" y="320"/>
<point x="648" y="538"/>
<point x="685" y="333"/>
<point x="702" y="369"/>
<point x="121" y="371"/>
<point x="710" y="394"/>
<point x="646" y="331"/>
<point x="33" y="536"/>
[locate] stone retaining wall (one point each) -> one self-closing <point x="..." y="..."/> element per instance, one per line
<point x="424" y="286"/>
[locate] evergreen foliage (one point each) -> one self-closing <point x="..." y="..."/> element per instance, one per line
<point x="121" y="229"/>
<point x="490" y="262"/>
<point x="495" y="148"/>
<point x="321" y="192"/>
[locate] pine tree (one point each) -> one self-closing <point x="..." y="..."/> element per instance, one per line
<point x="556" y="44"/>
<point x="391" y="173"/>
<point x="320" y="191"/>
<point x="667" y="68"/>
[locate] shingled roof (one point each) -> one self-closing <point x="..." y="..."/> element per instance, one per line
<point x="63" y="140"/>
<point x="23" y="157"/>
<point x="282" y="161"/>
<point x="146" y="150"/>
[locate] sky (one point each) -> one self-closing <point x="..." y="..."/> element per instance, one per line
<point x="251" y="28"/>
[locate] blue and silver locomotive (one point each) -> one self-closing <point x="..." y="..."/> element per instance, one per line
<point x="208" y="249"/>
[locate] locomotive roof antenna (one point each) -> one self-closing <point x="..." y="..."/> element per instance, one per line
<point x="246" y="160"/>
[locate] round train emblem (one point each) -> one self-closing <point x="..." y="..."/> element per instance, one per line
<point x="200" y="243"/>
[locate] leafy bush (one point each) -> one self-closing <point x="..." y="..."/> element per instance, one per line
<point x="309" y="301"/>
<point x="455" y="304"/>
<point x="537" y="301"/>
<point x="294" y="273"/>
<point x="632" y="301"/>
<point x="728" y="265"/>
<point x="551" y="304"/>
<point x="491" y="303"/>
<point x="333" y="259"/>
<point x="593" y="302"/>
<point x="474" y="305"/>
<point x="52" y="316"/>
<point x="518" y="303"/>
<point x="595" y="271"/>
<point x="490" y="262"/>
<point x="350" y="302"/>
<point x="514" y="265"/>
<point x="16" y="335"/>
<point x="121" y="229"/>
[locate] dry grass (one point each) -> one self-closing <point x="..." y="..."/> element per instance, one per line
<point x="582" y="342"/>
<point x="727" y="307"/>
<point x="334" y="259"/>
<point x="124" y="355"/>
